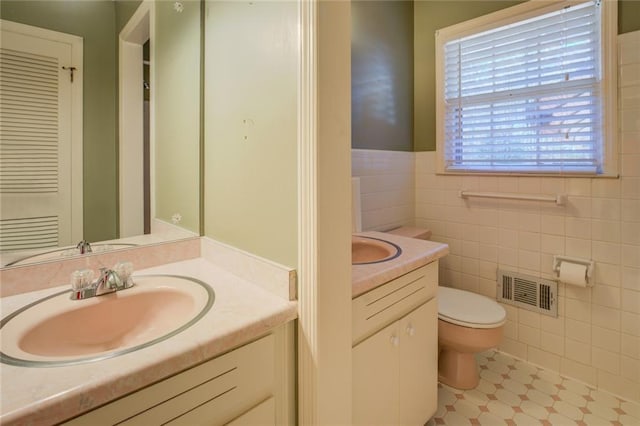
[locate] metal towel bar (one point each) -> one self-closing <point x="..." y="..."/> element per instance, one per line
<point x="559" y="199"/>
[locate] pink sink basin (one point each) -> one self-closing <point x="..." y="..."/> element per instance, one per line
<point x="366" y="250"/>
<point x="60" y="331"/>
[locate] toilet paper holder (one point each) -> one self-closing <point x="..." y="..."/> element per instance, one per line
<point x="590" y="264"/>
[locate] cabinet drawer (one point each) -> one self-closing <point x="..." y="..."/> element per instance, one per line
<point x="223" y="387"/>
<point x="383" y="305"/>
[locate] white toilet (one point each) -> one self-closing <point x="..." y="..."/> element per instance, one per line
<point x="468" y="323"/>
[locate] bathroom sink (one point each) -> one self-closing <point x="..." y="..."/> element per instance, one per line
<point x="366" y="250"/>
<point x="57" y="331"/>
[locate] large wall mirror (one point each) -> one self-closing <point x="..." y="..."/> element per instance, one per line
<point x="131" y="175"/>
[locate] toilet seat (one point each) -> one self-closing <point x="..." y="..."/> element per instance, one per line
<point x="469" y="309"/>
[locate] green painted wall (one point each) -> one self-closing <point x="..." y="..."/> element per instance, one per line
<point x="95" y="22"/>
<point x="124" y="11"/>
<point x="251" y="107"/>
<point x="382" y="75"/>
<point x="432" y="15"/>
<point x="628" y="16"/>
<point x="176" y="97"/>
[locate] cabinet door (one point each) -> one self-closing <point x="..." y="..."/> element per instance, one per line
<point x="263" y="414"/>
<point x="418" y="333"/>
<point x="375" y="378"/>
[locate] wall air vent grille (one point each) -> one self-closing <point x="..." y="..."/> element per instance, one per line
<point x="528" y="292"/>
<point x="507" y="287"/>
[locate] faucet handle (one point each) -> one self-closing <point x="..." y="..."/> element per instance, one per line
<point x="81" y="279"/>
<point x="124" y="271"/>
<point x="84" y="247"/>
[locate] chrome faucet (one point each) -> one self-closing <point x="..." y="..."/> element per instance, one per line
<point x="84" y="247"/>
<point x="109" y="281"/>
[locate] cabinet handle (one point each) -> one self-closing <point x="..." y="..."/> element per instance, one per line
<point x="411" y="330"/>
<point x="395" y="340"/>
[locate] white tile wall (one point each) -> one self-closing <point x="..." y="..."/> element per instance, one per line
<point x="596" y="337"/>
<point x="386" y="186"/>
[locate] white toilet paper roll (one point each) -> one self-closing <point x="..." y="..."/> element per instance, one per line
<point x="573" y="273"/>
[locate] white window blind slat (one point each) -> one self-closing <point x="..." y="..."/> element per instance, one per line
<point x="555" y="26"/>
<point x="518" y="66"/>
<point x="545" y="45"/>
<point x="526" y="97"/>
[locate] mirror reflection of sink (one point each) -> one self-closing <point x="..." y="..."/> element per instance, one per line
<point x="57" y="331"/>
<point x="366" y="250"/>
<point x="65" y="252"/>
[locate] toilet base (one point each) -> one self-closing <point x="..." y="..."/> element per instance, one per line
<point x="458" y="345"/>
<point x="457" y="369"/>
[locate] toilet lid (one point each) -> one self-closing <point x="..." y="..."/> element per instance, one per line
<point x="469" y="309"/>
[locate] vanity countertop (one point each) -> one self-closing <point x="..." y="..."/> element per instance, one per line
<point x="52" y="394"/>
<point x="415" y="253"/>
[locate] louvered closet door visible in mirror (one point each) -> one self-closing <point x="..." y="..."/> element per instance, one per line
<point x="40" y="138"/>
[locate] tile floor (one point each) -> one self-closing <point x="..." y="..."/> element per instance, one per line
<point x="513" y="392"/>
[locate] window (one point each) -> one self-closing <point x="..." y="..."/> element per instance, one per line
<point x="529" y="89"/>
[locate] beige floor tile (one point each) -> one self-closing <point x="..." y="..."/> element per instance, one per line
<point x="550" y="376"/>
<point x="557" y="419"/>
<point x="467" y="409"/>
<point x="592" y="420"/>
<point x="526" y="367"/>
<point x="501" y="409"/>
<point x="455" y="419"/>
<point x="512" y="392"/>
<point x="508" y="397"/>
<point x="545" y="387"/>
<point x="572" y="398"/>
<point x="602" y="410"/>
<point x="522" y="419"/>
<point x="514" y="386"/>
<point x="631" y="408"/>
<point x="627" y="420"/>
<point x="576" y="387"/>
<point x="445" y="396"/>
<point x="504" y="358"/>
<point x="498" y="367"/>
<point x="486" y="386"/>
<point x="477" y="397"/>
<point x="490" y="419"/>
<point x="605" y="398"/>
<point x="540" y="398"/>
<point x="491" y="376"/>
<point x="568" y="410"/>
<point x="521" y="376"/>
<point x="481" y="358"/>
<point x="534" y="410"/>
<point x="441" y="411"/>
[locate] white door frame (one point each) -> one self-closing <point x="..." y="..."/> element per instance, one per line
<point x="324" y="219"/>
<point x="133" y="36"/>
<point x="76" y="166"/>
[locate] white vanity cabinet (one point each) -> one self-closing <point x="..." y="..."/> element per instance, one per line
<point x="247" y="386"/>
<point x="395" y="351"/>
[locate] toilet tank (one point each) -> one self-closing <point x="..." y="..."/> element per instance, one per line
<point x="411" y="232"/>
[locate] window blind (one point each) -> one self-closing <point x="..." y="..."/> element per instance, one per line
<point x="526" y="97"/>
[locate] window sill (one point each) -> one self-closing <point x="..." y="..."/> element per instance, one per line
<point x="556" y="175"/>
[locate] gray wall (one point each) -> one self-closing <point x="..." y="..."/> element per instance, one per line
<point x="382" y="75"/>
